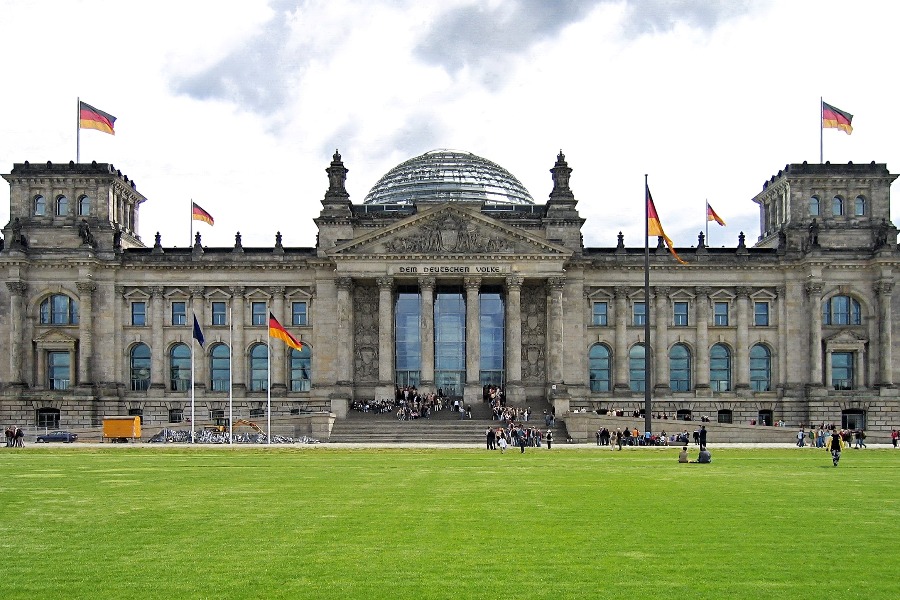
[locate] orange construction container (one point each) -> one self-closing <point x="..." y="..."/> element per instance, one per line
<point x="121" y="429"/>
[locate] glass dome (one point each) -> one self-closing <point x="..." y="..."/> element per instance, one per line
<point x="445" y="176"/>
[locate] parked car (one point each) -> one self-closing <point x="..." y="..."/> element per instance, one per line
<point x="57" y="436"/>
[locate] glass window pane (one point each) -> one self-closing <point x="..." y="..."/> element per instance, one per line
<point x="179" y="313"/>
<point x="637" y="368"/>
<point x="639" y="313"/>
<point x="298" y="314"/>
<point x="680" y="368"/>
<point x="259" y="368"/>
<point x="220" y="368"/>
<point x="761" y="314"/>
<point x="218" y="313"/>
<point x="600" y="313"/>
<point x="258" y="313"/>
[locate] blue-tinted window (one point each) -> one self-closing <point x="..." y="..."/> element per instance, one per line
<point x="680" y="314"/>
<point x="219" y="368"/>
<point x="720" y="368"/>
<point x="139" y="314"/>
<point x="301" y="369"/>
<point x="259" y="368"/>
<point x="407" y="337"/>
<point x="299" y="317"/>
<point x="638" y="314"/>
<point x="600" y="313"/>
<point x="761" y="314"/>
<point x="680" y="368"/>
<point x="637" y="368"/>
<point x="491" y="335"/>
<point x="600" y="368"/>
<point x="760" y="369"/>
<point x="450" y="341"/>
<point x="140" y="367"/>
<point x="219" y="314"/>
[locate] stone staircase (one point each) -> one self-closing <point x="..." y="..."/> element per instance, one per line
<point x="443" y="427"/>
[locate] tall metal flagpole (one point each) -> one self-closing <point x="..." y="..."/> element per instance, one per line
<point x="193" y="352"/>
<point x="821" y="130"/>
<point x="268" y="383"/>
<point x="647" y="353"/>
<point x="78" y="130"/>
<point x="230" y="386"/>
<point x="706" y="220"/>
<point x="191" y="241"/>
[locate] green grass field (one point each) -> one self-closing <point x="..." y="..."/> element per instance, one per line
<point x="320" y="522"/>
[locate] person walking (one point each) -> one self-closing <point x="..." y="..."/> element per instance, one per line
<point x="703" y="436"/>
<point x="20" y="438"/>
<point x="801" y="435"/>
<point x="860" y="439"/>
<point x="835" y="444"/>
<point x="894" y="436"/>
<point x="490" y="437"/>
<point x="549" y="439"/>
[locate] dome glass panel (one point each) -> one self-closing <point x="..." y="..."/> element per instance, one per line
<point x="448" y="176"/>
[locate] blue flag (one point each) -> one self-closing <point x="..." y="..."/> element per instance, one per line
<point x="198" y="333"/>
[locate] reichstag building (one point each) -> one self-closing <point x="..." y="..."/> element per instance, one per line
<point x="450" y="276"/>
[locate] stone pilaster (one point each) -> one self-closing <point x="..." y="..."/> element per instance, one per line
<point x="279" y="351"/>
<point x="17" y="291"/>
<point x="158" y="351"/>
<point x="620" y="360"/>
<point x="814" y="297"/>
<point x="555" y="287"/>
<point x="345" y="330"/>
<point x="513" y="387"/>
<point x="702" y="372"/>
<point x="238" y="351"/>
<point x="660" y="346"/>
<point x="385" y="338"/>
<point x="86" y="332"/>
<point x="884" y="289"/>
<point x="742" y="351"/>
<point x="198" y="311"/>
<point x="426" y="286"/>
<point x="472" y="391"/>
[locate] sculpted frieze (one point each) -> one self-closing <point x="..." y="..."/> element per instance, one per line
<point x="451" y="234"/>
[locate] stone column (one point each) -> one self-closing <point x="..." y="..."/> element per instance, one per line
<point x="472" y="393"/>
<point x="426" y="286"/>
<point x="158" y="352"/>
<point x="702" y="373"/>
<point x="201" y="366"/>
<point x="555" y="337"/>
<point x="620" y="359"/>
<point x="660" y="346"/>
<point x="86" y="332"/>
<point x="883" y="289"/>
<point x="814" y="294"/>
<point x="742" y="352"/>
<point x="238" y="352"/>
<point x="345" y="330"/>
<point x="385" y="337"/>
<point x="119" y="373"/>
<point x="278" y="367"/>
<point x="513" y="380"/>
<point x="17" y="291"/>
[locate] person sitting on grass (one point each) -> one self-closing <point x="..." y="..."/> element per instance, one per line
<point x="683" y="455"/>
<point x="704" y="458"/>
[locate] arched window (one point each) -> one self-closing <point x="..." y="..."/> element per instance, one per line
<point x="84" y="206"/>
<point x="40" y="206"/>
<point x="59" y="309"/>
<point x="259" y="368"/>
<point x="760" y="369"/>
<point x="599" y="367"/>
<point x="680" y="368"/>
<point x="180" y="363"/>
<point x="219" y="368"/>
<point x="62" y="206"/>
<point x="637" y="368"/>
<point x="720" y="368"/>
<point x="814" y="206"/>
<point x="841" y="310"/>
<point x="140" y="367"/>
<point x="301" y="369"/>
<point x="837" y="206"/>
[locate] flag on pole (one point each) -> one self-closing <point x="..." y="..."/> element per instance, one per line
<point x="654" y="227"/>
<point x="198" y="333"/>
<point x="277" y="331"/>
<point x="198" y="214"/>
<point x="94" y="118"/>
<point x="835" y="118"/>
<point x="712" y="216"/>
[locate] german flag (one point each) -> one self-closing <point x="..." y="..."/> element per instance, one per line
<point x="654" y="227"/>
<point x="94" y="118"/>
<point x="712" y="216"/>
<point x="277" y="331"/>
<point x="835" y="118"/>
<point x="198" y="214"/>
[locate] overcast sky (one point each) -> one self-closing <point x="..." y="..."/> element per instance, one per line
<point x="240" y="105"/>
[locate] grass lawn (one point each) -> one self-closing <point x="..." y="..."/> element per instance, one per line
<point x="320" y="522"/>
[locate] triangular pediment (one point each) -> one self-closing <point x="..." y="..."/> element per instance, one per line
<point x="55" y="336"/>
<point x="448" y="230"/>
<point x="845" y="336"/>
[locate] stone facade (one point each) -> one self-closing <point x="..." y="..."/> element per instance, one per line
<point x="797" y="328"/>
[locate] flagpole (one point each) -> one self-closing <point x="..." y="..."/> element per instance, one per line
<point x="191" y="241"/>
<point x="78" y="130"/>
<point x="647" y="360"/>
<point x="268" y="387"/>
<point x="230" y="386"/>
<point x="821" y="130"/>
<point x="193" y="351"/>
<point x="706" y="220"/>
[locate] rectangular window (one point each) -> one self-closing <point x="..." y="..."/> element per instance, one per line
<point x="176" y="415"/>
<point x="638" y="313"/>
<point x="258" y="313"/>
<point x="59" y="373"/>
<point x="842" y="370"/>
<point x="600" y="314"/>
<point x="720" y="314"/>
<point x="138" y="314"/>
<point x="218" y="313"/>
<point x="761" y="314"/>
<point x="299" y="317"/>
<point x="681" y="314"/>
<point x="179" y="313"/>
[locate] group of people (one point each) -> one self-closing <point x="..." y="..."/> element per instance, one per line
<point x="15" y="437"/>
<point x="517" y="435"/>
<point x="819" y="437"/>
<point x="705" y="457"/>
